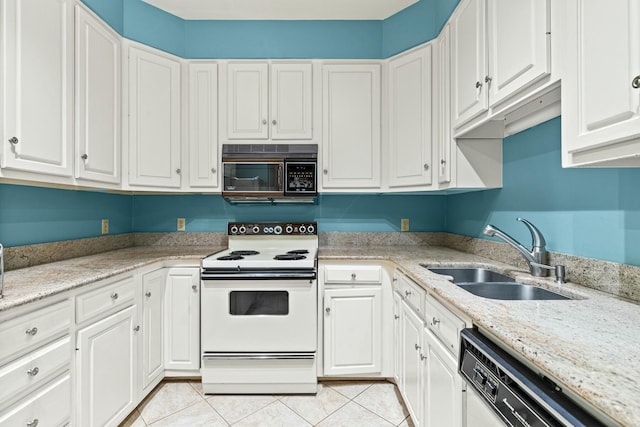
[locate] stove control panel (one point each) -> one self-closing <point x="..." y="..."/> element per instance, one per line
<point x="272" y="229"/>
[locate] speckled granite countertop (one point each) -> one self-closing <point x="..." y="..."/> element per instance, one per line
<point x="590" y="345"/>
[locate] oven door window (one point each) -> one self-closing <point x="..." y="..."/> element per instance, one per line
<point x="253" y="177"/>
<point x="259" y="303"/>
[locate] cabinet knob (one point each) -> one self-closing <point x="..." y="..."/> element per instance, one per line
<point x="328" y="309"/>
<point x="426" y="166"/>
<point x="443" y="162"/>
<point x="353" y="276"/>
<point x="264" y="121"/>
<point x="178" y="171"/>
<point x="148" y="294"/>
<point x="435" y="321"/>
<point x="326" y="171"/>
<point x="114" y="296"/>
<point x="33" y="371"/>
<point x="137" y="328"/>
<point x="487" y="79"/>
<point x="422" y="356"/>
<point x="478" y="85"/>
<point x="395" y="316"/>
<point x="84" y="156"/>
<point x="195" y="288"/>
<point x="13" y="140"/>
<point x="635" y="83"/>
<point x="274" y="122"/>
<point x="407" y="293"/>
<point x="32" y="423"/>
<point x="32" y="331"/>
<point x="417" y="347"/>
<point x="213" y="170"/>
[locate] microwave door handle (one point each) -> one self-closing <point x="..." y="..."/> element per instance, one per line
<point x="280" y="172"/>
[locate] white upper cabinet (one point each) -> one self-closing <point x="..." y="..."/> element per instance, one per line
<point x="351" y="126"/>
<point x="499" y="48"/>
<point x="37" y="86"/>
<point x="410" y="130"/>
<point x="263" y="106"/>
<point x="154" y="119"/>
<point x="443" y="140"/>
<point x="98" y="132"/>
<point x="601" y="84"/>
<point x="203" y="125"/>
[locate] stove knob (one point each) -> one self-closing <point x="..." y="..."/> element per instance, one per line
<point x="310" y="229"/>
<point x="303" y="229"/>
<point x="268" y="230"/>
<point x="289" y="229"/>
<point x="277" y="229"/>
<point x="234" y="229"/>
<point x="242" y="229"/>
<point x="256" y="229"/>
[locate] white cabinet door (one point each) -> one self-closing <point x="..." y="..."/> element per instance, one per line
<point x="107" y="359"/>
<point x="291" y="101"/>
<point x="410" y="97"/>
<point x="443" y="386"/>
<point x="247" y="101"/>
<point x="182" y="319"/>
<point x="478" y="413"/>
<point x="203" y="125"/>
<point x="442" y="87"/>
<point x="353" y="331"/>
<point x="412" y="363"/>
<point x="37" y="86"/>
<point x="351" y="126"/>
<point x="154" y="119"/>
<point x="469" y="60"/>
<point x="600" y="105"/>
<point x="397" y="338"/>
<point x="98" y="133"/>
<point x="153" y="285"/>
<point x="519" y="45"/>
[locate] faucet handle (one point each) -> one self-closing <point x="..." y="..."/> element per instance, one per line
<point x="537" y="239"/>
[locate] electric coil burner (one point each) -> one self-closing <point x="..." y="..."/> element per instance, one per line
<point x="258" y="310"/>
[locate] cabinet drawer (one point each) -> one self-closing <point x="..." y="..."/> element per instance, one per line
<point x="353" y="274"/>
<point x="444" y="324"/>
<point x="412" y="293"/>
<point x="115" y="295"/>
<point x="50" y="406"/>
<point x="35" y="368"/>
<point x="33" y="329"/>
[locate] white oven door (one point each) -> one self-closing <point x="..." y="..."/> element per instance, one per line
<point x="259" y="315"/>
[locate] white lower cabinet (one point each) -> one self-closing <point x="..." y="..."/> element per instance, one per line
<point x="182" y="320"/>
<point x="478" y="413"/>
<point x="412" y="376"/>
<point x="352" y="331"/>
<point x="107" y="358"/>
<point x="153" y="285"/>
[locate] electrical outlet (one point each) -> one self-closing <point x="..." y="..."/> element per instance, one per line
<point x="181" y="224"/>
<point x="105" y="226"/>
<point x="404" y="224"/>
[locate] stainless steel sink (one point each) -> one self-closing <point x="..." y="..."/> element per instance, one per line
<point x="491" y="284"/>
<point x="472" y="275"/>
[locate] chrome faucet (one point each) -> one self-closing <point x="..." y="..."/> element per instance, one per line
<point x="536" y="257"/>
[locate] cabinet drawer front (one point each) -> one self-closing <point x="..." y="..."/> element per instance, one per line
<point x="412" y="293"/>
<point x="35" y="368"/>
<point x="51" y="406"/>
<point x="353" y="274"/>
<point x="116" y="295"/>
<point x="33" y="329"/>
<point x="444" y="325"/>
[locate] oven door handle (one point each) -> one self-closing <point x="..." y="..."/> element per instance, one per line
<point x="261" y="356"/>
<point x="256" y="275"/>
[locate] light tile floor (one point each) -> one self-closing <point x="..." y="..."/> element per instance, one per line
<point x="337" y="403"/>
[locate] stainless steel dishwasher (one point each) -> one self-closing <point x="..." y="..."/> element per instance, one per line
<point x="516" y="394"/>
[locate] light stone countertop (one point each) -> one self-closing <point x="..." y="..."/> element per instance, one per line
<point x="590" y="345"/>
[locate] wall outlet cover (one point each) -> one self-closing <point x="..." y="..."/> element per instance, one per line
<point x="404" y="224"/>
<point x="181" y="224"/>
<point x="105" y="226"/>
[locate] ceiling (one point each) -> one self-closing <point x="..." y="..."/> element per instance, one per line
<point x="282" y="9"/>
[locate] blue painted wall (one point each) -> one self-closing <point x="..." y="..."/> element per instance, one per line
<point x="353" y="212"/>
<point x="593" y="213"/>
<point x="30" y="215"/>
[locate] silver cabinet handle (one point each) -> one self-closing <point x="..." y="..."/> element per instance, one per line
<point x="114" y="296"/>
<point x="137" y="328"/>
<point x="417" y="347"/>
<point x="148" y="294"/>
<point x="326" y="171"/>
<point x="33" y="371"/>
<point x="264" y="121"/>
<point x="13" y="140"/>
<point x="443" y="162"/>
<point x="328" y="309"/>
<point x="635" y="83"/>
<point x="478" y="85"/>
<point x="407" y="293"/>
<point x="422" y="356"/>
<point x="84" y="156"/>
<point x="195" y="288"/>
<point x="487" y="79"/>
<point x="435" y="321"/>
<point x="32" y="331"/>
<point x="353" y="276"/>
<point x="178" y="171"/>
<point x="213" y="170"/>
<point x="395" y="316"/>
<point x="426" y="167"/>
<point x="32" y="423"/>
<point x="274" y="122"/>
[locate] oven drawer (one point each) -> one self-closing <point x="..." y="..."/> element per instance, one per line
<point x="353" y="274"/>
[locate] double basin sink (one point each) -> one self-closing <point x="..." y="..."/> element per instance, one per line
<point x="493" y="285"/>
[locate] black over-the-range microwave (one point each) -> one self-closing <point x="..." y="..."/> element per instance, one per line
<point x="270" y="172"/>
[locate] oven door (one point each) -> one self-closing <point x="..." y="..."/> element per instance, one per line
<point x="259" y="315"/>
